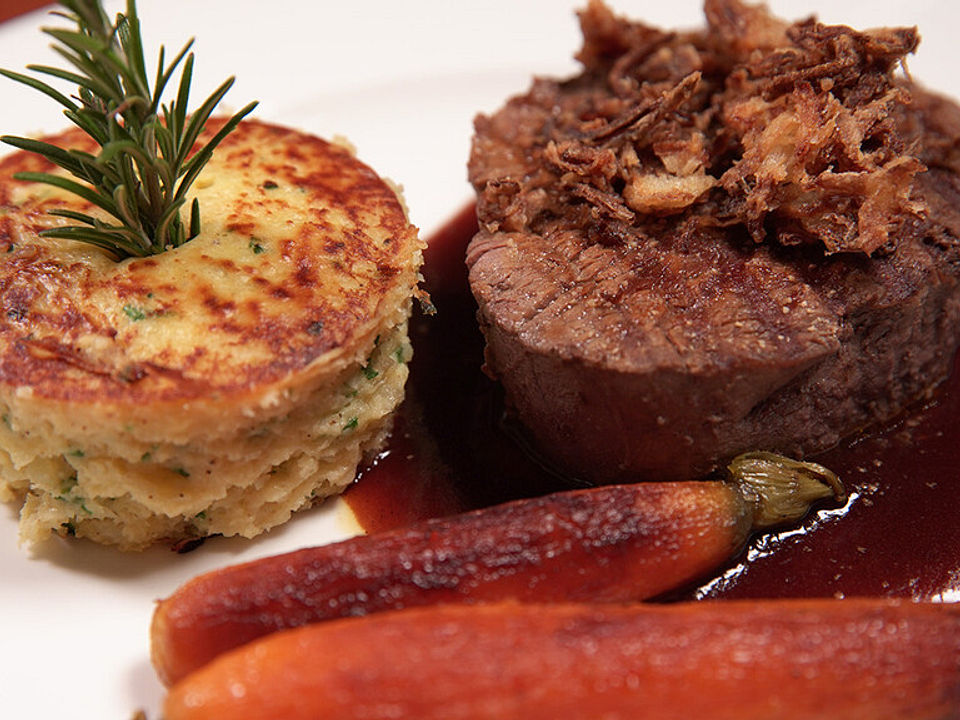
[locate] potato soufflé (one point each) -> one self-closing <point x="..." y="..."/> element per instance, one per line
<point x="220" y="385"/>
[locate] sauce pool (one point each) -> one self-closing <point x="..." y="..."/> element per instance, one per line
<point x="453" y="449"/>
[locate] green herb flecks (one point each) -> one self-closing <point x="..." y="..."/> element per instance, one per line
<point x="134" y="313"/>
<point x="256" y="247"/>
<point x="144" y="167"/>
<point x="68" y="494"/>
<point x="351" y="424"/>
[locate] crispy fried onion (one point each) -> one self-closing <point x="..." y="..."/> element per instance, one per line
<point x="788" y="130"/>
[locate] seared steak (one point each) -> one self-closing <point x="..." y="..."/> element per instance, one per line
<point x="735" y="239"/>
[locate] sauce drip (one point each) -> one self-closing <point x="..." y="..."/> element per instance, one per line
<point x="453" y="449"/>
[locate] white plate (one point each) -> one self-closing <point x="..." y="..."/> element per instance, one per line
<point x="402" y="80"/>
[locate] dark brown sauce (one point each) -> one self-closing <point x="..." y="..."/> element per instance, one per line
<point x="451" y="450"/>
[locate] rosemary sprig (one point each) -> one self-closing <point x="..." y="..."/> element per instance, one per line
<point x="146" y="162"/>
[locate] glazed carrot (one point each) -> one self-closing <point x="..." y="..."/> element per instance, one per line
<point x="740" y="660"/>
<point x="611" y="544"/>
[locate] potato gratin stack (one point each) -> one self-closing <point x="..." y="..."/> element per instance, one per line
<point x="219" y="386"/>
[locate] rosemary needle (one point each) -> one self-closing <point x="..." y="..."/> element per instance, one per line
<point x="146" y="162"/>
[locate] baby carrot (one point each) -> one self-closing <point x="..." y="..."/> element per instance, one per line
<point x="741" y="660"/>
<point x="610" y="544"/>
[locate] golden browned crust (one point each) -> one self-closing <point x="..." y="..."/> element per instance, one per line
<point x="57" y="338"/>
<point x="218" y="386"/>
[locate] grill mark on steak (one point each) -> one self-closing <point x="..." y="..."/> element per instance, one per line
<point x="710" y="242"/>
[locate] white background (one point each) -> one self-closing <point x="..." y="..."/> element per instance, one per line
<point x="402" y="80"/>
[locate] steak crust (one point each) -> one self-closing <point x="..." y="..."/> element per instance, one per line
<point x="734" y="239"/>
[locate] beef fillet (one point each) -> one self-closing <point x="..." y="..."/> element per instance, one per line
<point x="736" y="239"/>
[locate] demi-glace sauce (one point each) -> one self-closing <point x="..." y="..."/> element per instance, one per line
<point x="452" y="449"/>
